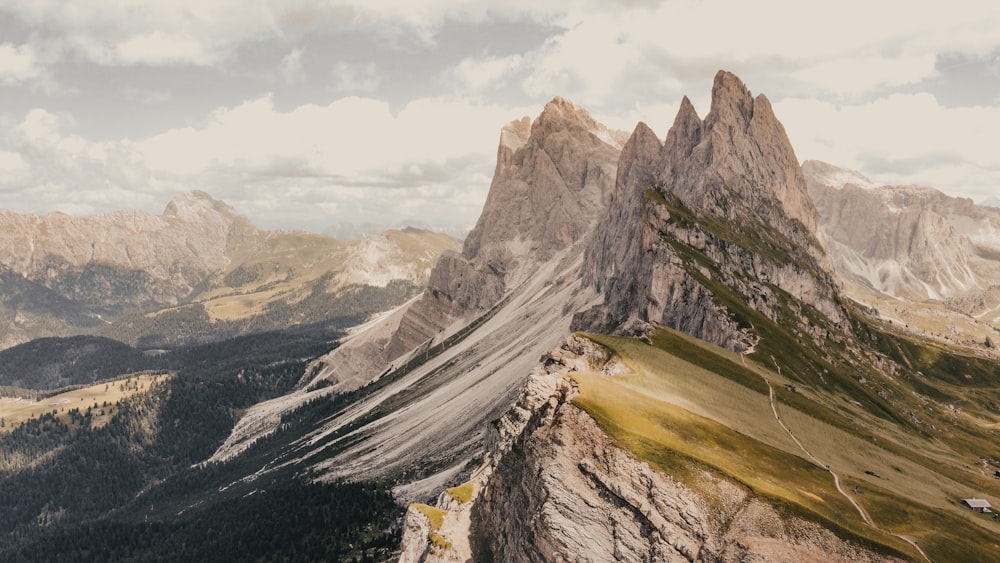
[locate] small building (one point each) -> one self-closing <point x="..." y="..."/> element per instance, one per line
<point x="978" y="504"/>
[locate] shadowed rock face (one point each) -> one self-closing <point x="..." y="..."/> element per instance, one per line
<point x="730" y="187"/>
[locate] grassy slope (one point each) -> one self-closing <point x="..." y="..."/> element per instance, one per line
<point x="17" y="409"/>
<point x="706" y="406"/>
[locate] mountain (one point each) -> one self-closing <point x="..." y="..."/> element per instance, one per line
<point x="912" y="244"/>
<point x="515" y="286"/>
<point x="198" y="269"/>
<point x="347" y="231"/>
<point x="642" y="352"/>
<point x="728" y="187"/>
<point x="663" y="446"/>
<point x="991" y="202"/>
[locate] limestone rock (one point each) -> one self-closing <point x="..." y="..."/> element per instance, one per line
<point x="906" y="241"/>
<point x="728" y="187"/>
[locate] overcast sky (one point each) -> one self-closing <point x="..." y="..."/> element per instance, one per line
<point x="304" y="114"/>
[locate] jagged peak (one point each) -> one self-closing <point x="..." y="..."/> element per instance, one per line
<point x="684" y="134"/>
<point x="642" y="132"/>
<point x="640" y="155"/>
<point x="731" y="100"/>
<point x="561" y="113"/>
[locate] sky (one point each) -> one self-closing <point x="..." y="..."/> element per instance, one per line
<point x="320" y="114"/>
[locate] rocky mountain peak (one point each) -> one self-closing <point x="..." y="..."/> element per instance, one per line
<point x="819" y="172"/>
<point x="731" y="188"/>
<point x="741" y="150"/>
<point x="640" y="157"/>
<point x="732" y="103"/>
<point x="683" y="137"/>
<point x="195" y="204"/>
<point x="548" y="189"/>
<point x="552" y="180"/>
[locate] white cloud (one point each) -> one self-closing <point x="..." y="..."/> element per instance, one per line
<point x="18" y="64"/>
<point x="11" y="162"/>
<point x="160" y="48"/>
<point x="901" y="139"/>
<point x="432" y="160"/>
<point x="849" y="75"/>
<point x="477" y="74"/>
<point x="832" y="50"/>
<point x="349" y="138"/>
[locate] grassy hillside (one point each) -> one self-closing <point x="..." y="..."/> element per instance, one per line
<point x="96" y="402"/>
<point x="689" y="404"/>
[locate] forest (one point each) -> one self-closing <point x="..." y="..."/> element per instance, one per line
<point x="133" y="489"/>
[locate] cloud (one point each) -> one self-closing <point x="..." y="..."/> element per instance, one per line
<point x="159" y="48"/>
<point x="362" y="78"/>
<point x="12" y="162"/>
<point x="846" y="76"/>
<point x="901" y="139"/>
<point x="432" y="159"/>
<point x="290" y="67"/>
<point x="18" y="64"/>
<point x="831" y="50"/>
<point x="477" y="74"/>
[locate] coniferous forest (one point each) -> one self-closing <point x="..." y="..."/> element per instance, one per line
<point x="134" y="488"/>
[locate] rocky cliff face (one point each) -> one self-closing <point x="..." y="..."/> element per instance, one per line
<point x="728" y="187"/>
<point x="907" y="242"/>
<point x="552" y="180"/>
<point x="125" y="259"/>
<point x="553" y="487"/>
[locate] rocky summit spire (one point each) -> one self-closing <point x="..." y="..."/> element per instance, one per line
<point x="551" y="188"/>
<point x="727" y="190"/>
<point x="551" y="183"/>
<point x="743" y="152"/>
<point x="683" y="137"/>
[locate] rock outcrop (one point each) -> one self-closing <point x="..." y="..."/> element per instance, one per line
<point x="730" y="189"/>
<point x="553" y="487"/>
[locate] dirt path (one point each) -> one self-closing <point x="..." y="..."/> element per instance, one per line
<point x="836" y="478"/>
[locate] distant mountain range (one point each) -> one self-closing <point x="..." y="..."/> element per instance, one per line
<point x="198" y="271"/>
<point x="890" y="244"/>
<point x="346" y="231"/>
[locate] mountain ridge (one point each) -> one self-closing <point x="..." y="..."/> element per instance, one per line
<point x="199" y="263"/>
<point x="938" y="254"/>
